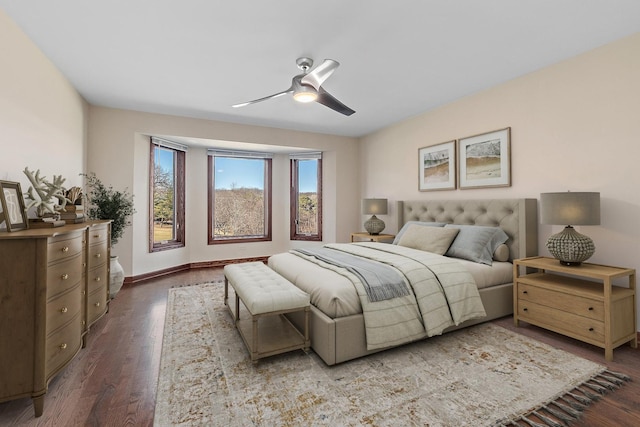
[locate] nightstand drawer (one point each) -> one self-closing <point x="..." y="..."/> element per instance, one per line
<point x="581" y="306"/>
<point x="560" y="321"/>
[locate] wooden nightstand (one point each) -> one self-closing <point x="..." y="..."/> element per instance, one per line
<point x="577" y="301"/>
<point x="363" y="235"/>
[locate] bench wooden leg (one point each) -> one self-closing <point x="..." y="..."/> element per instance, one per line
<point x="226" y="291"/>
<point x="307" y="342"/>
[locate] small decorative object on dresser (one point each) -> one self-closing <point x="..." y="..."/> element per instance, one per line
<point x="12" y="211"/>
<point x="569" y="246"/>
<point x="577" y="301"/>
<point x="374" y="225"/>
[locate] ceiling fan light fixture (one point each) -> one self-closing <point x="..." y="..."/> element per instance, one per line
<point x="305" y="94"/>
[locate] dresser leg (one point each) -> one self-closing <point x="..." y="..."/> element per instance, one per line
<point x="38" y="405"/>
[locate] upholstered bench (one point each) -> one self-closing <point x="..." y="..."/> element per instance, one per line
<point x="267" y="297"/>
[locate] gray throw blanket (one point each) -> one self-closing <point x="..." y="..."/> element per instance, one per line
<point x="381" y="282"/>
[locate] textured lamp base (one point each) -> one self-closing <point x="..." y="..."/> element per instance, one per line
<point x="374" y="225"/>
<point x="570" y="247"/>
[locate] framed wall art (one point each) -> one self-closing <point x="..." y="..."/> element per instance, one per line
<point x="485" y="160"/>
<point x="12" y="202"/>
<point x="437" y="167"/>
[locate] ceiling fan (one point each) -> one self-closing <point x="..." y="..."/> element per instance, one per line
<point x="307" y="87"/>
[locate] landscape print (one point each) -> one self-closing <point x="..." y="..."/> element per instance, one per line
<point x="483" y="160"/>
<point x="437" y="167"/>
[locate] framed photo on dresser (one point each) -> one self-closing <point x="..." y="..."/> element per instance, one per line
<point x="12" y="210"/>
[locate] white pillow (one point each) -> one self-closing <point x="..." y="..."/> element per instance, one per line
<point x="431" y="239"/>
<point x="420" y="223"/>
<point x="476" y="243"/>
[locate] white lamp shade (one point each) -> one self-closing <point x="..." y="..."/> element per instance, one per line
<point x="569" y="208"/>
<point x="374" y="206"/>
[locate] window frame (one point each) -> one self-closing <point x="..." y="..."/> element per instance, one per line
<point x="268" y="178"/>
<point x="179" y="185"/>
<point x="294" y="198"/>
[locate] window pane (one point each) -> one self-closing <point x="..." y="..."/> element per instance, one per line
<point x="240" y="200"/>
<point x="307" y="197"/>
<point x="164" y="195"/>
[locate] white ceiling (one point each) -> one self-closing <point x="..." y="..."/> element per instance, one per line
<point x="400" y="58"/>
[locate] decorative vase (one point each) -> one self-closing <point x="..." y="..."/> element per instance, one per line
<point x="116" y="277"/>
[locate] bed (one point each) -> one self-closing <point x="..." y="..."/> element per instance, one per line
<point x="338" y="331"/>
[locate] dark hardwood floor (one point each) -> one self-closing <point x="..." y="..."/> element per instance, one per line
<point x="112" y="382"/>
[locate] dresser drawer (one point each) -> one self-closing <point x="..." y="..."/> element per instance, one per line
<point x="62" y="345"/>
<point x="64" y="275"/>
<point x="60" y="248"/>
<point x="98" y="233"/>
<point x="97" y="278"/>
<point x="96" y="304"/>
<point x="581" y="306"/>
<point x="63" y="309"/>
<point x="560" y="321"/>
<point x="97" y="255"/>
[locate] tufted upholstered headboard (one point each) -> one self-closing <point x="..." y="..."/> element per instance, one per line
<point x="517" y="217"/>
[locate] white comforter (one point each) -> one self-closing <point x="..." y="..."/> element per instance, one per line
<point x="444" y="294"/>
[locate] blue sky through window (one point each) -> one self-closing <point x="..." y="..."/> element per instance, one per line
<point x="248" y="173"/>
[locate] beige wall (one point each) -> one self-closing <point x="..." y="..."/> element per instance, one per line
<point x="119" y="154"/>
<point x="42" y="117"/>
<point x="574" y="126"/>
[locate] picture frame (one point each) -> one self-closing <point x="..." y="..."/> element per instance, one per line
<point x="484" y="160"/>
<point x="437" y="167"/>
<point x="13" y="212"/>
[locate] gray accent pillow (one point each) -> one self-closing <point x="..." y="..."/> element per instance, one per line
<point x="431" y="239"/>
<point x="476" y="243"/>
<point x="420" y="223"/>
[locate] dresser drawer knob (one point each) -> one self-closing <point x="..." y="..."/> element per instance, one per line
<point x="97" y="279"/>
<point x="97" y="304"/>
<point x="63" y="346"/>
<point x="525" y="309"/>
<point x="95" y="236"/>
<point x="590" y="329"/>
<point x="525" y="292"/>
<point x="63" y="310"/>
<point x="64" y="276"/>
<point x="65" y="249"/>
<point x="590" y="308"/>
<point x="98" y="255"/>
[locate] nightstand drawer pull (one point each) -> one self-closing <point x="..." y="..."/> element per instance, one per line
<point x="525" y="292"/>
<point x="95" y="236"/>
<point x="590" y="308"/>
<point x="525" y="309"/>
<point x="590" y="329"/>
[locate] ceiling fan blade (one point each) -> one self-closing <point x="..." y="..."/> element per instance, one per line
<point x="326" y="99"/>
<point x="275" y="95"/>
<point x="321" y="73"/>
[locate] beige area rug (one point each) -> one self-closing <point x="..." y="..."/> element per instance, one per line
<point x="480" y="376"/>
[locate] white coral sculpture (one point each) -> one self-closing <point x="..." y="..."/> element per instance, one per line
<point x="45" y="196"/>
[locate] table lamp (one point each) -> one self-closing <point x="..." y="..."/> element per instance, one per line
<point x="569" y="208"/>
<point x="374" y="225"/>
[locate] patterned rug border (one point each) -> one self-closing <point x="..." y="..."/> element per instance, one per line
<point x="560" y="410"/>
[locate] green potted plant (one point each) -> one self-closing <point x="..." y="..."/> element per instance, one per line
<point x="106" y="203"/>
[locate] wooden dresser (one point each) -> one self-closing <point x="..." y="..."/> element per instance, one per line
<point x="54" y="283"/>
<point x="577" y="301"/>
